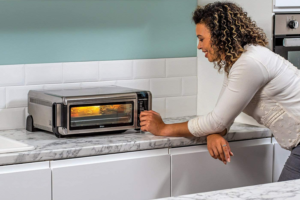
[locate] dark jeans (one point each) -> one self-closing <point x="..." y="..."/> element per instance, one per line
<point x="291" y="168"/>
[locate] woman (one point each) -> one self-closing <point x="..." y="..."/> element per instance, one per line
<point x="258" y="82"/>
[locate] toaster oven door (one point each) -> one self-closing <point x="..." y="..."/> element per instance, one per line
<point x="102" y="117"/>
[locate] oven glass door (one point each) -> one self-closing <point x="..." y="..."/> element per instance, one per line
<point x="101" y="115"/>
<point x="294" y="57"/>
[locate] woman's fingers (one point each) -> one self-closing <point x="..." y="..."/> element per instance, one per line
<point x="143" y="123"/>
<point x="226" y="152"/>
<point x="147" y="115"/>
<point x="216" y="153"/>
<point x="152" y="111"/>
<point x="148" y="112"/>
<point x="219" y="148"/>
<point x="229" y="149"/>
<point x="221" y="153"/>
<point x="211" y="152"/>
<point x="143" y="128"/>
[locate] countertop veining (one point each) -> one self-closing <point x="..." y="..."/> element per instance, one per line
<point x="287" y="190"/>
<point x="48" y="147"/>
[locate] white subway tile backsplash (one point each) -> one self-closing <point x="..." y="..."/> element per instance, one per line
<point x="174" y="96"/>
<point x="26" y="113"/>
<point x="116" y="70"/>
<point x="80" y="72"/>
<point x="17" y="96"/>
<point x="97" y="84"/>
<point x="2" y="98"/>
<point x="189" y="85"/>
<point x="154" y="68"/>
<point x="62" y="86"/>
<point x="43" y="73"/>
<point x="180" y="67"/>
<point x="159" y="105"/>
<point x="166" y="87"/>
<point x="12" y="75"/>
<point x="12" y="118"/>
<point x="135" y="84"/>
<point x="181" y="106"/>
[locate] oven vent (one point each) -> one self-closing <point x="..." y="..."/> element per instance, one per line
<point x="41" y="102"/>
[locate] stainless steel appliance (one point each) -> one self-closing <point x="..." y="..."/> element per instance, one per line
<point x="103" y="109"/>
<point x="286" y="37"/>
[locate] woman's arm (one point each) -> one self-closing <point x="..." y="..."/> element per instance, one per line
<point x="246" y="77"/>
<point x="151" y="121"/>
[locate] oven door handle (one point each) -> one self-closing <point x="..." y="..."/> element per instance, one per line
<point x="291" y="42"/>
<point x="57" y="115"/>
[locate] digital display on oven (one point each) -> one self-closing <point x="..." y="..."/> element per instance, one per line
<point x="101" y="115"/>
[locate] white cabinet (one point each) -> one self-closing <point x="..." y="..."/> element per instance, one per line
<point x="135" y="175"/>
<point x="25" y="181"/>
<point x="280" y="157"/>
<point x="287" y="3"/>
<point x="286" y="6"/>
<point x="193" y="170"/>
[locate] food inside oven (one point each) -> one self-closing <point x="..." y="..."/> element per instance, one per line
<point x="98" y="115"/>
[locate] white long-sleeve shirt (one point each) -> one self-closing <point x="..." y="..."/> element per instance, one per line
<point x="263" y="85"/>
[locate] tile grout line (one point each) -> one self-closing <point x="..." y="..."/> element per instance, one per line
<point x="5" y="97"/>
<point x="166" y="68"/>
<point x="165" y="109"/>
<point x="24" y="74"/>
<point x="132" y="70"/>
<point x="182" y="86"/>
<point x="63" y="74"/>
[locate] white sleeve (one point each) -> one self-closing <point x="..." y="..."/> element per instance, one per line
<point x="225" y="82"/>
<point x="246" y="77"/>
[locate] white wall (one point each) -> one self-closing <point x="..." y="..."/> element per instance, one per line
<point x="210" y="81"/>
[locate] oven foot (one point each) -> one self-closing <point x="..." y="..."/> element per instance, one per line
<point x="29" y="124"/>
<point x="56" y="133"/>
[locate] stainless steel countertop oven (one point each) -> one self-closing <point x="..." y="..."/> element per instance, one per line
<point x="82" y="111"/>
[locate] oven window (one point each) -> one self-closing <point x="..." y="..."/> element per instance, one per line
<point x="101" y="115"/>
<point x="294" y="57"/>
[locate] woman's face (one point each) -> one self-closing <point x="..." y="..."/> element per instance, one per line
<point x="203" y="34"/>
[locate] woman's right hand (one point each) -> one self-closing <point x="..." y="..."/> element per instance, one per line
<point x="218" y="147"/>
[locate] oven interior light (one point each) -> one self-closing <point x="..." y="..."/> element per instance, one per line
<point x="86" y="111"/>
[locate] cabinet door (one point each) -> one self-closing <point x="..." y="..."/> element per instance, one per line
<point x="136" y="175"/>
<point x="25" y="181"/>
<point x="287" y="3"/>
<point x="194" y="170"/>
<point x="286" y="6"/>
<point x="280" y="157"/>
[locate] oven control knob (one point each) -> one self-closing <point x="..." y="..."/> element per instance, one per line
<point x="293" y="24"/>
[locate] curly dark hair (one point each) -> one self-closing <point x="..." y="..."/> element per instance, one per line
<point x="231" y="29"/>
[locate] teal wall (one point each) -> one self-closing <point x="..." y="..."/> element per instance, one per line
<point x="86" y="30"/>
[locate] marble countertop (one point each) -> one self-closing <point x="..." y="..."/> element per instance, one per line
<point x="48" y="147"/>
<point x="287" y="190"/>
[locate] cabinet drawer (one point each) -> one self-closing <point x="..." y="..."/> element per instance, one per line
<point x="25" y="181"/>
<point x="135" y="175"/>
<point x="194" y="170"/>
